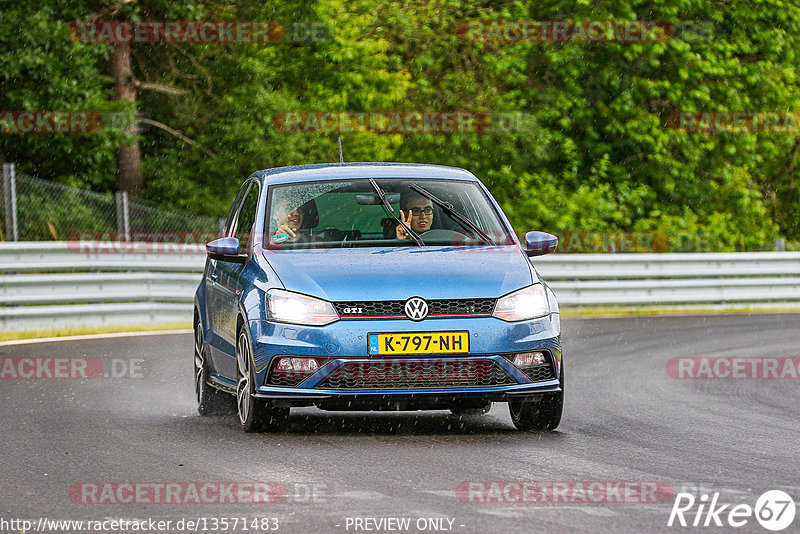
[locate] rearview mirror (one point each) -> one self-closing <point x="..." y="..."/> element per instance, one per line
<point x="540" y="243"/>
<point x="225" y="249"/>
<point x="371" y="199"/>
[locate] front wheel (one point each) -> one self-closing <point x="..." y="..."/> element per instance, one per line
<point x="255" y="414"/>
<point x="542" y="412"/>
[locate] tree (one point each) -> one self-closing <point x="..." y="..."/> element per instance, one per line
<point x="591" y="147"/>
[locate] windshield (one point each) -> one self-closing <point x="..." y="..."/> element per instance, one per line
<point x="349" y="213"/>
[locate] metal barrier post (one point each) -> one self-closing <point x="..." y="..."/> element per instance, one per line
<point x="123" y="218"/>
<point x="10" y="195"/>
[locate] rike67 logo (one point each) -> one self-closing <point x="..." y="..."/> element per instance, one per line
<point x="774" y="510"/>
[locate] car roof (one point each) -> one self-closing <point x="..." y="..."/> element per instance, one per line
<point x="343" y="171"/>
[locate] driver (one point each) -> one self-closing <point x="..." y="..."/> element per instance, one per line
<point x="289" y="229"/>
<point x="416" y="211"/>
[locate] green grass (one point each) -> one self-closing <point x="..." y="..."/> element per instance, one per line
<point x="80" y="331"/>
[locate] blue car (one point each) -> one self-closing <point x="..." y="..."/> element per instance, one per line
<point x="375" y="286"/>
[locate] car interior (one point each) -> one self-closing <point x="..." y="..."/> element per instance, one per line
<point x="361" y="209"/>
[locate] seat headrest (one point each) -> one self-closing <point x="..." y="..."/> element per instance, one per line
<point x="310" y="214"/>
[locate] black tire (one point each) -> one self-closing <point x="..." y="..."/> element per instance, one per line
<point x="255" y="415"/>
<point x="539" y="413"/>
<point x="471" y="410"/>
<point x="210" y="401"/>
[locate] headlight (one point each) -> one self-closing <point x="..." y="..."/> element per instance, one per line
<point x="527" y="303"/>
<point x="287" y="307"/>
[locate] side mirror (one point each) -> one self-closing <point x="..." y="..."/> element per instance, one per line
<point x="225" y="249"/>
<point x="540" y="243"/>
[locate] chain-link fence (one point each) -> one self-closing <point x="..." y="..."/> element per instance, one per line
<point x="38" y="210"/>
<point x="149" y="217"/>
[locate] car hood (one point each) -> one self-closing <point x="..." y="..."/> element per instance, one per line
<point x="401" y="272"/>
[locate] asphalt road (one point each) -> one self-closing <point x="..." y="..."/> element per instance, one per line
<point x="625" y="419"/>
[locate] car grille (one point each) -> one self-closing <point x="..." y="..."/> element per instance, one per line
<point x="540" y="373"/>
<point x="417" y="374"/>
<point x="395" y="308"/>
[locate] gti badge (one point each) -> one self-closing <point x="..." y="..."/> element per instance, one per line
<point x="416" y="309"/>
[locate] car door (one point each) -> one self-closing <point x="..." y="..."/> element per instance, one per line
<point x="211" y="275"/>
<point x="224" y="282"/>
<point x="227" y="285"/>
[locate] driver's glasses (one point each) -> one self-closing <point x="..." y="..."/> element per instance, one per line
<point x="416" y="212"/>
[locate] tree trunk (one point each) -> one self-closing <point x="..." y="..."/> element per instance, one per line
<point x="129" y="157"/>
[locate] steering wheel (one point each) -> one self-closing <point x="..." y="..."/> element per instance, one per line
<point x="443" y="234"/>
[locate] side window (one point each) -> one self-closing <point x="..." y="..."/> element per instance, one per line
<point x="246" y="218"/>
<point x="231" y="220"/>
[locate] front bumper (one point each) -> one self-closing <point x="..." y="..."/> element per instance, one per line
<point x="494" y="394"/>
<point x="344" y="343"/>
<point x="308" y="389"/>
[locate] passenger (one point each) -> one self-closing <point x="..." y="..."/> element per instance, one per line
<point x="416" y="211"/>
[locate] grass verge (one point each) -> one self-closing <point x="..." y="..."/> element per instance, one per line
<point x="81" y="331"/>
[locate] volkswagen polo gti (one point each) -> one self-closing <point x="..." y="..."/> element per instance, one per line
<point x="367" y="286"/>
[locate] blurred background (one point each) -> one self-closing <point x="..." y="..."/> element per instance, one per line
<point x="584" y="141"/>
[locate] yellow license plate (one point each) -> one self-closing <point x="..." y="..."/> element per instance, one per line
<point x="418" y="343"/>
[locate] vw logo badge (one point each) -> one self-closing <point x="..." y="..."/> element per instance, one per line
<point x="416" y="309"/>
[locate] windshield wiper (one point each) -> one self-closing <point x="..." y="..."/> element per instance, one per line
<point x="450" y="210"/>
<point x="390" y="210"/>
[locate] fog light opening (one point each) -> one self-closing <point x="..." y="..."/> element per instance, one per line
<point x="530" y="359"/>
<point x="295" y="366"/>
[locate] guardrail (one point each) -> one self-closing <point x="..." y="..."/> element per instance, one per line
<point x="51" y="285"/>
<point x="668" y="279"/>
<point x="55" y="285"/>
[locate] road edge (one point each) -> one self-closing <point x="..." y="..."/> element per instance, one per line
<point x="94" y="336"/>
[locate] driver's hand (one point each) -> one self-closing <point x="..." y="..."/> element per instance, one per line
<point x="286" y="229"/>
<point x="399" y="230"/>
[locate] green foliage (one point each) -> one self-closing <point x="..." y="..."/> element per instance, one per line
<point x="594" y="151"/>
<point x="43" y="69"/>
